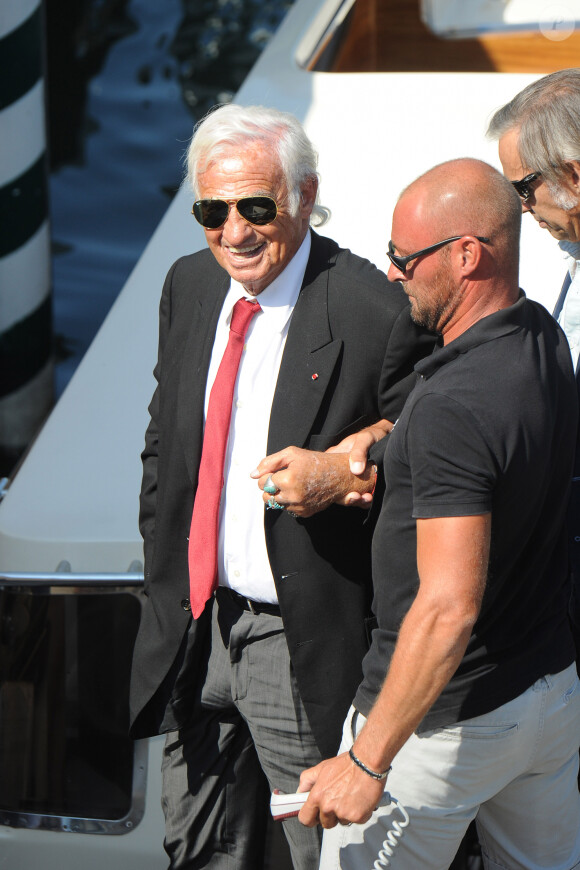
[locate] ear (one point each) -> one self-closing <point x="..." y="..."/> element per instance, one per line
<point x="573" y="167"/>
<point x="308" y="193"/>
<point x="469" y="255"/>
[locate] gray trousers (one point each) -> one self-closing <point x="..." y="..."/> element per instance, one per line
<point x="248" y="721"/>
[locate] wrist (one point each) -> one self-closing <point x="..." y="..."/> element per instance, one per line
<point x="374" y="774"/>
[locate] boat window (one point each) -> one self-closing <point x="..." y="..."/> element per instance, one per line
<point x="430" y="35"/>
<point x="65" y="755"/>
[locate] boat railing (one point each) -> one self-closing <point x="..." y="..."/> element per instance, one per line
<point x="70" y="578"/>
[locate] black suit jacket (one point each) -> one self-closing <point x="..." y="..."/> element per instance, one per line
<point x="351" y="328"/>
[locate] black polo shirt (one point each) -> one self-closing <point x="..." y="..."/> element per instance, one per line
<point x="490" y="427"/>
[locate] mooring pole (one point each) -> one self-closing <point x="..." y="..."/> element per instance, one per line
<point x="26" y="360"/>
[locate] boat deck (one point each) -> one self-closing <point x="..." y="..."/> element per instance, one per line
<point x="389" y="36"/>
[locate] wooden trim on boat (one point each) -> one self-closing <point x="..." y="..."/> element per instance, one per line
<point x="389" y="36"/>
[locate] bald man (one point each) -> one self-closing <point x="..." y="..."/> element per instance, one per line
<point x="470" y="702"/>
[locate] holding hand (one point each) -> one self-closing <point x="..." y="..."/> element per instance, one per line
<point x="357" y="446"/>
<point x="307" y="481"/>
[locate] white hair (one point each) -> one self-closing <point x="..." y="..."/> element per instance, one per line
<point x="562" y="197"/>
<point x="546" y="115"/>
<point x="237" y="125"/>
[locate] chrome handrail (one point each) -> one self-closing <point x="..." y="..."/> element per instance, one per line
<point x="71" y="578"/>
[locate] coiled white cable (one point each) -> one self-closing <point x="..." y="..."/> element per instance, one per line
<point x="391" y="841"/>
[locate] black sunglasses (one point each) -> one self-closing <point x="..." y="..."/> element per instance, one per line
<point x="213" y="213"/>
<point x="401" y="263"/>
<point x="524" y="185"/>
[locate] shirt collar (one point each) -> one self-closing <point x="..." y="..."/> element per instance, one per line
<point x="496" y="325"/>
<point x="278" y="299"/>
<point x="571" y="249"/>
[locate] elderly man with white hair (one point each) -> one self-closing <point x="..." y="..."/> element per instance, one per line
<point x="257" y="577"/>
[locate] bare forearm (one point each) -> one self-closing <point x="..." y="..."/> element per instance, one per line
<point x="452" y="560"/>
<point x="429" y="649"/>
<point x="427" y="654"/>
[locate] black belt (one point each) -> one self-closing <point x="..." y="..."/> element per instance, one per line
<point x="255" y="607"/>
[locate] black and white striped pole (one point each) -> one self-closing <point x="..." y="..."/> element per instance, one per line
<point x="26" y="364"/>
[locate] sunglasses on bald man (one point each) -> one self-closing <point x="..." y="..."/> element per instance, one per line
<point x="401" y="263"/>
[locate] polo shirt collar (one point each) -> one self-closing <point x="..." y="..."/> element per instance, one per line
<point x="496" y="325"/>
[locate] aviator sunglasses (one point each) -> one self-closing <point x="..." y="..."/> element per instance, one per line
<point x="213" y="213"/>
<point x="401" y="263"/>
<point x="524" y="185"/>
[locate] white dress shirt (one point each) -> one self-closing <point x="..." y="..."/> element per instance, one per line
<point x="569" y="317"/>
<point x="243" y="563"/>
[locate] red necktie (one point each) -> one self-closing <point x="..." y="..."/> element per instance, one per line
<point x="203" y="535"/>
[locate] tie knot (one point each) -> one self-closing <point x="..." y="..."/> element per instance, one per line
<point x="243" y="312"/>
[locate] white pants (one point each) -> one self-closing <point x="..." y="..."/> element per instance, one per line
<point x="515" y="770"/>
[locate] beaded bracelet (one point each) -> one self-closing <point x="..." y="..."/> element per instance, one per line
<point x="366" y="769"/>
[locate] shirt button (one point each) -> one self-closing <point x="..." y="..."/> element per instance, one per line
<point x="186" y="605"/>
<point x="236" y="573"/>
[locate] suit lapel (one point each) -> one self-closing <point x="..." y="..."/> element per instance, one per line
<point x="206" y="309"/>
<point x="309" y="359"/>
<point x="561" y="298"/>
<point x="308" y="362"/>
<point x="556" y="314"/>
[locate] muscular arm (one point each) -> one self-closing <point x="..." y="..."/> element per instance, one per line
<point x="452" y="561"/>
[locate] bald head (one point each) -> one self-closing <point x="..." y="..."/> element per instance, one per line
<point x="462" y="219"/>
<point x="468" y="196"/>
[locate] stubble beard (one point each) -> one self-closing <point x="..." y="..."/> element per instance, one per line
<point x="438" y="306"/>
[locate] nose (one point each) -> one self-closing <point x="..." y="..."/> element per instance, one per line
<point x="235" y="227"/>
<point x="395" y="274"/>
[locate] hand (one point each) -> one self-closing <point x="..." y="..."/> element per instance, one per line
<point x="358" y="446"/>
<point x="340" y="793"/>
<point x="308" y="481"/>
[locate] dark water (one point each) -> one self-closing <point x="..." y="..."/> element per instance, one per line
<point x="127" y="80"/>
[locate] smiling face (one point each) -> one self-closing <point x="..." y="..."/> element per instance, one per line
<point x="254" y="255"/>
<point x="562" y="223"/>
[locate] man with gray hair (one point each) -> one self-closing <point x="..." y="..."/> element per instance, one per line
<point x="469" y="707"/>
<point x="255" y="621"/>
<point x="539" y="149"/>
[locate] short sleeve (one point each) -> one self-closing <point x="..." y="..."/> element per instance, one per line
<point x="452" y="468"/>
